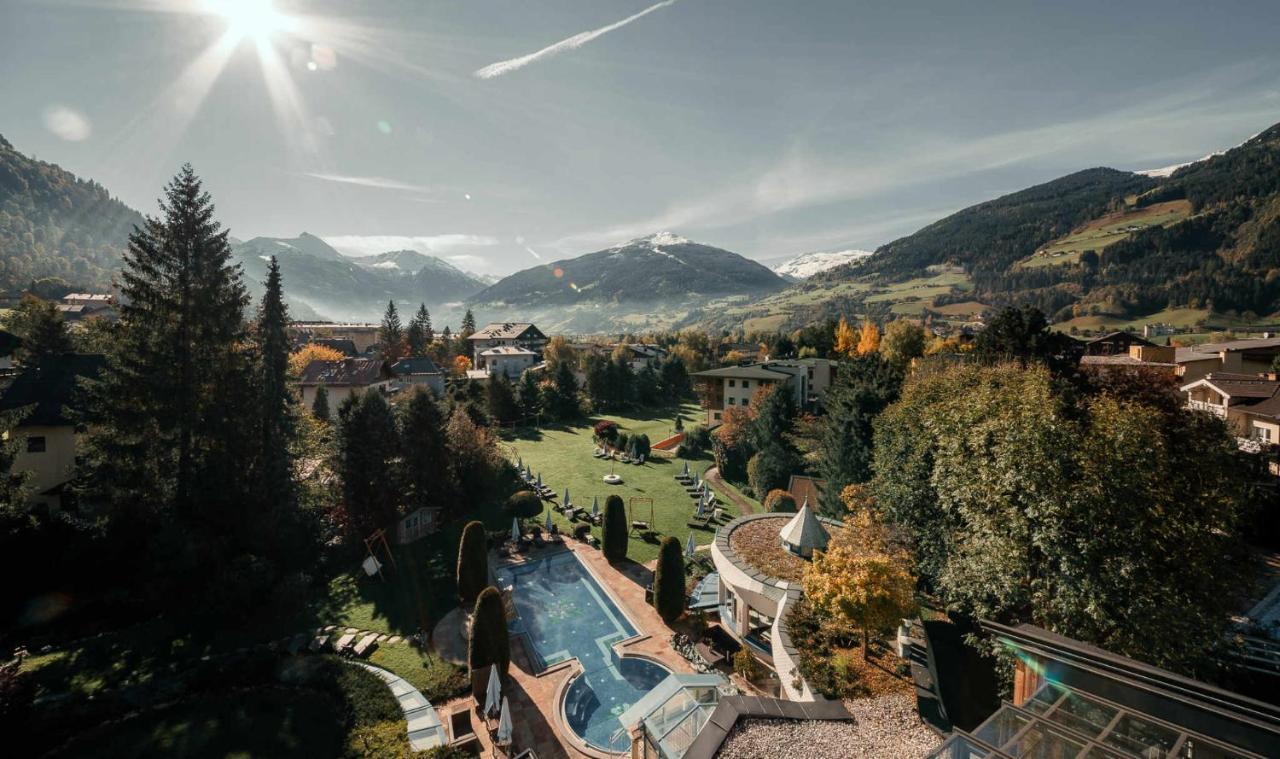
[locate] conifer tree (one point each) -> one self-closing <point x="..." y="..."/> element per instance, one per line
<point x="468" y="324"/>
<point x="530" y="395"/>
<point x="490" y="642"/>
<point x="175" y="399"/>
<point x="367" y="449"/>
<point x="425" y="454"/>
<point x="320" y="406"/>
<point x="473" y="563"/>
<point x="613" y="532"/>
<point x="500" y="400"/>
<point x="419" y="334"/>
<point x="668" y="580"/>
<point x="275" y="487"/>
<point x="391" y="334"/>
<point x="43" y="331"/>
<point x="563" y="399"/>
<point x="869" y="338"/>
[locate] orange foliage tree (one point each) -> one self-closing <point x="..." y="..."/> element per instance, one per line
<point x="869" y="338"/>
<point x="299" y="359"/>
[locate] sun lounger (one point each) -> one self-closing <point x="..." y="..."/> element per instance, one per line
<point x="708" y="655"/>
<point x="570" y="512"/>
<point x="366" y="645"/>
<point x="344" y="642"/>
<point x="696" y="522"/>
<point x="319" y="643"/>
<point x="639" y="526"/>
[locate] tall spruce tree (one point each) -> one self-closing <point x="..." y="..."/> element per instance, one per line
<point x="278" y="425"/>
<point x="864" y="386"/>
<point x="418" y="335"/>
<point x="424" y="451"/>
<point x="176" y="398"/>
<point x="468" y="324"/>
<point x="368" y="446"/>
<point x="391" y="333"/>
<point x="530" y="395"/>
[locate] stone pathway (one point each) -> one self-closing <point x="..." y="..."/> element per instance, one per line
<point x="426" y="731"/>
<point x="744" y="506"/>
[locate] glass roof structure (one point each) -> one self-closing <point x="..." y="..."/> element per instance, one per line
<point x="1059" y="723"/>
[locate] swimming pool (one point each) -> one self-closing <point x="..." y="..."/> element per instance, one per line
<point x="564" y="613"/>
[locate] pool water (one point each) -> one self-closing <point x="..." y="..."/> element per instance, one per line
<point x="564" y="613"/>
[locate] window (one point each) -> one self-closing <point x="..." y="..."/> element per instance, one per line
<point x="746" y="384"/>
<point x="717" y="416"/>
<point x="733" y="383"/>
<point x="35" y="444"/>
<point x="1262" y="433"/>
<point x="732" y="400"/>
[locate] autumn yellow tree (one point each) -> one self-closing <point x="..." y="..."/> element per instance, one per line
<point x="868" y="338"/>
<point x="557" y="350"/>
<point x="846" y="340"/>
<point x="299" y="359"/>
<point x="862" y="579"/>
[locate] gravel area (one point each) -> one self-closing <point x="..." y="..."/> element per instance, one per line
<point x="882" y="728"/>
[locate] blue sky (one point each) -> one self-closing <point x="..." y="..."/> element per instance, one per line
<point x="498" y="133"/>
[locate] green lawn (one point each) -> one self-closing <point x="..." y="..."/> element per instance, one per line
<point x="277" y="723"/>
<point x="562" y="455"/>
<point x="436" y="678"/>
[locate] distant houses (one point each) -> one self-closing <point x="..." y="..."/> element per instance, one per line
<point x="520" y="335"/>
<point x="76" y="307"/>
<point x="48" y="399"/>
<point x="341" y="379"/>
<point x="807" y="379"/>
<point x="419" y="371"/>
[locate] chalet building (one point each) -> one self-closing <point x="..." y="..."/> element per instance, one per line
<point x="361" y="334"/>
<point x="420" y="371"/>
<point x="1236" y="356"/>
<point x="509" y="361"/>
<point x="1250" y="403"/>
<point x="505" y="335"/>
<point x="730" y="386"/>
<point x="48" y="435"/>
<point x="1071" y="699"/>
<point x="640" y="355"/>
<point x="1158" y="358"/>
<point x="79" y="306"/>
<point x="342" y="379"/>
<point x="1113" y="344"/>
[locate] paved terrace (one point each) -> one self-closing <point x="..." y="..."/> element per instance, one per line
<point x="534" y="698"/>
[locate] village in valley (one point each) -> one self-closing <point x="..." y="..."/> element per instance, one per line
<point x="639" y="379"/>
<point x="687" y="545"/>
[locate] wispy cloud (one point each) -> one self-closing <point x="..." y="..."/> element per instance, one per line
<point x="571" y="43"/>
<point x="369" y="245"/>
<point x="381" y="183"/>
<point x="805" y="178"/>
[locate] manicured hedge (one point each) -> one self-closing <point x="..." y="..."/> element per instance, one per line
<point x="668" y="580"/>
<point x="615" y="529"/>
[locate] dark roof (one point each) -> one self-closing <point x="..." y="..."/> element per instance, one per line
<point x="9" y="342"/>
<point x="507" y="331"/>
<point x="422" y="365"/>
<point x="358" y="372"/>
<point x="733" y="708"/>
<point x="50" y="390"/>
<point x="750" y="371"/>
<point x="343" y="345"/>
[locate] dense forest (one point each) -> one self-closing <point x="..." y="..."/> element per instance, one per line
<point x="53" y="224"/>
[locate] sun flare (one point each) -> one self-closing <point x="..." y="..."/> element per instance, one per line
<point x="256" y="19"/>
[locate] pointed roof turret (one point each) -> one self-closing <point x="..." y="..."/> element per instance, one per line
<point x="804" y="534"/>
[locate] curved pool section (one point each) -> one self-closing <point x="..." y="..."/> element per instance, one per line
<point x="563" y="613"/>
<point x="594" y="700"/>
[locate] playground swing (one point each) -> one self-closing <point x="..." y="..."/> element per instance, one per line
<point x="638" y="525"/>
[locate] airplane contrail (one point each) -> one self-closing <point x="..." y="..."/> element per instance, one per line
<point x="572" y="43"/>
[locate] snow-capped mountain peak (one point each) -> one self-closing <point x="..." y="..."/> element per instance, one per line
<point x="806" y="265"/>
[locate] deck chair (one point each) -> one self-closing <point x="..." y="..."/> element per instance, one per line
<point x="639" y="526"/>
<point x="703" y="523"/>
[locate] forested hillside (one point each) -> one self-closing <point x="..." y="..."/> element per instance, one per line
<point x="1220" y="253"/>
<point x="53" y="224"/>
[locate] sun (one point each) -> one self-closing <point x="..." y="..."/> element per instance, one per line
<point x="255" y="19"/>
